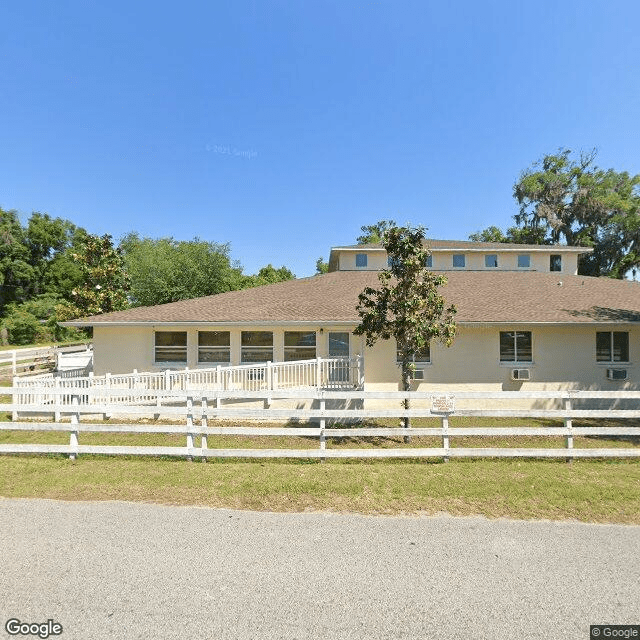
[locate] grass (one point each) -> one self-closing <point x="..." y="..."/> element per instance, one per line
<point x="586" y="490"/>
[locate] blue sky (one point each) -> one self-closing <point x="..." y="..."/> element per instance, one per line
<point x="282" y="127"/>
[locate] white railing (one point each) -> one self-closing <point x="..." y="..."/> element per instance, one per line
<point x="326" y="373"/>
<point x="322" y="406"/>
<point x="15" y="361"/>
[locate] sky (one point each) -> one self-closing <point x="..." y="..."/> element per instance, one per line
<point x="282" y="127"/>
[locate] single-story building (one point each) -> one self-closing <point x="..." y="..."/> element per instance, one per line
<point x="525" y="320"/>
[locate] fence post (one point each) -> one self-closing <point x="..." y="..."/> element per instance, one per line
<point x="318" y="372"/>
<point x="73" y="434"/>
<point x="108" y="398"/>
<point x="323" y="423"/>
<point x="568" y="423"/>
<point x="218" y="384"/>
<point x="204" y="423"/>
<point x="190" y="427"/>
<point x="445" y="436"/>
<point x="15" y="396"/>
<point x="56" y="399"/>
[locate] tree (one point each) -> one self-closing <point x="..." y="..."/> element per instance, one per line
<point x="166" y="270"/>
<point x="374" y="233"/>
<point x="575" y="202"/>
<point x="407" y="306"/>
<point x="16" y="271"/>
<point x="268" y="275"/>
<point x="321" y="266"/>
<point x="105" y="282"/>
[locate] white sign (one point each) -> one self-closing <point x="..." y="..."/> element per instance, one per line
<point x="443" y="404"/>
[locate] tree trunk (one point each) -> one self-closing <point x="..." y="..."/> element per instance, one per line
<point x="406" y="403"/>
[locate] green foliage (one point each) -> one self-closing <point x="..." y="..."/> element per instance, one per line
<point x="268" y="275"/>
<point x="374" y="233"/>
<point x="16" y="271"/>
<point x="321" y="266"/>
<point x="572" y="201"/>
<point x="407" y="306"/>
<point x="166" y="270"/>
<point x="23" y="326"/>
<point x="105" y="282"/>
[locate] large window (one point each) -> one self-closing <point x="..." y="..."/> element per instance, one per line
<point x="170" y="346"/>
<point x="361" y="259"/>
<point x="555" y="263"/>
<point x="612" y="346"/>
<point x="524" y="261"/>
<point x="515" y="346"/>
<point x="214" y="347"/>
<point x="299" y="345"/>
<point x="256" y="346"/>
<point x="338" y="344"/>
<point x="422" y="357"/>
<point x="491" y="261"/>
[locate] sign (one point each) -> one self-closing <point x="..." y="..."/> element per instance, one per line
<point x="443" y="404"/>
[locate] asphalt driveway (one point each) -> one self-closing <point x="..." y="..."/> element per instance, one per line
<point x="123" y="570"/>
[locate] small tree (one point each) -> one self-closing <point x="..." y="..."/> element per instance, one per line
<point x="407" y="306"/>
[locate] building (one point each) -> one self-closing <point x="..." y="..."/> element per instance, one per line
<point x="525" y="319"/>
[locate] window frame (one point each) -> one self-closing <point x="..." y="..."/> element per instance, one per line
<point x="288" y="349"/>
<point x="528" y="259"/>
<point x="464" y="261"/>
<point x="516" y="360"/>
<point x="611" y="351"/>
<point x="421" y="361"/>
<point x="555" y="260"/>
<point x="363" y="259"/>
<point x="181" y="348"/>
<point x="247" y="349"/>
<point x="494" y="258"/>
<point x="212" y="348"/>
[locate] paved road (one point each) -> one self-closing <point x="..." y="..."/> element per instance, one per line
<point x="121" y="570"/>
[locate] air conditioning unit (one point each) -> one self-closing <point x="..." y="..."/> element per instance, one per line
<point x="521" y="374"/>
<point x="418" y="374"/>
<point x="617" y="374"/>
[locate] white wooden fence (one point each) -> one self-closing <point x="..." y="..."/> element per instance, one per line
<point x="15" y="361"/>
<point x="199" y="407"/>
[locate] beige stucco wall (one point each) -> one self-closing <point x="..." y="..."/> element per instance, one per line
<point x="475" y="261"/>
<point x="123" y="349"/>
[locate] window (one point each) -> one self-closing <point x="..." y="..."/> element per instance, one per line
<point x="391" y="262"/>
<point x="555" y="263"/>
<point x="299" y="345"/>
<point x="524" y="261"/>
<point x="515" y="346"/>
<point x="170" y="346"/>
<point x="256" y="346"/>
<point x="428" y="261"/>
<point x="338" y="344"/>
<point x="214" y="346"/>
<point x="612" y="346"/>
<point x="458" y="260"/>
<point x="361" y="259"/>
<point x="491" y="261"/>
<point x="422" y="357"/>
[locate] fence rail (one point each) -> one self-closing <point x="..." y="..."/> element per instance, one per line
<point x="199" y="407"/>
<point x="15" y="361"/>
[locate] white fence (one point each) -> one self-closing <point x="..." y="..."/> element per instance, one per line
<point x="198" y="408"/>
<point x="15" y="361"/>
<point x="326" y="373"/>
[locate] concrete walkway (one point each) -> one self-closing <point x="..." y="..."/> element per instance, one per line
<point x="123" y="570"/>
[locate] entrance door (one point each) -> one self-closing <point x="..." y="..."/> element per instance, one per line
<point x="339" y="348"/>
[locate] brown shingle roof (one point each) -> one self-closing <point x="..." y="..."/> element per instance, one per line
<point x="481" y="297"/>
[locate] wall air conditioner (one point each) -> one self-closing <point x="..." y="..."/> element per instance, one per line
<point x="418" y="374"/>
<point x="616" y="374"/>
<point x="521" y="374"/>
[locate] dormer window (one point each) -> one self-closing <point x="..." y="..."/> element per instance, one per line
<point x="524" y="261"/>
<point x="459" y="261"/>
<point x="555" y="262"/>
<point x="491" y="261"/>
<point x="361" y="259"/>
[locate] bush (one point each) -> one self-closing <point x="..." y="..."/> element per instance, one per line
<point x="22" y="326"/>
